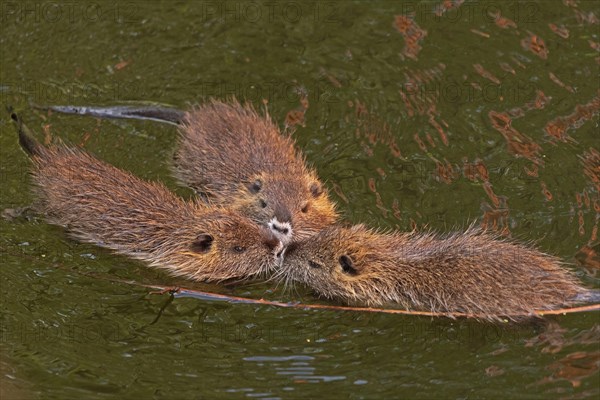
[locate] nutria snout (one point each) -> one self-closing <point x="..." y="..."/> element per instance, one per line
<point x="281" y="224"/>
<point x="103" y="205"/>
<point x="471" y="272"/>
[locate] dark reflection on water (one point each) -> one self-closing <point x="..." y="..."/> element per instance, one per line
<point x="416" y="114"/>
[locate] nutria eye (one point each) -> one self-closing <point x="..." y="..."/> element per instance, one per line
<point x="262" y="203"/>
<point x="255" y="186"/>
<point x="304" y="208"/>
<point x="202" y="243"/>
<point x="314" y="264"/>
<point x="239" y="249"/>
<point x="315" y="189"/>
<point x="347" y="265"/>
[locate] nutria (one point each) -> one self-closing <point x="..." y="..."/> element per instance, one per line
<point x="103" y="205"/>
<point x="472" y="272"/>
<point x="231" y="154"/>
<point x="242" y="158"/>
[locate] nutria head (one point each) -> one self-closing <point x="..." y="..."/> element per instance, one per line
<point x="231" y="154"/>
<point x="292" y="206"/>
<point x="222" y="244"/>
<point x="346" y="264"/>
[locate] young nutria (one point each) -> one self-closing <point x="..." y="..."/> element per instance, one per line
<point x="471" y="272"/>
<point x="103" y="205"/>
<point x="233" y="155"/>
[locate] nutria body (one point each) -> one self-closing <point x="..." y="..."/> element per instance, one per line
<point x="103" y="205"/>
<point x="234" y="156"/>
<point x="471" y="272"/>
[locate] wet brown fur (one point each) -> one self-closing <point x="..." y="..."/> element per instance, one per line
<point x="106" y="206"/>
<point x="225" y="147"/>
<point x="471" y="272"/>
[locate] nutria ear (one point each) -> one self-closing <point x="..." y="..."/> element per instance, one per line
<point x="304" y="207"/>
<point x="202" y="243"/>
<point x="255" y="186"/>
<point x="347" y="265"/>
<point x="316" y="189"/>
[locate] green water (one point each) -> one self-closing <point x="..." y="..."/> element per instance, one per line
<point x="68" y="332"/>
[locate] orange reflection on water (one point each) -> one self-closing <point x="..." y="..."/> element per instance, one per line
<point x="475" y="170"/>
<point x="338" y="190"/>
<point x="478" y="171"/>
<point x="588" y="256"/>
<point x="413" y="35"/>
<point x="578" y="198"/>
<point x="589" y="200"/>
<point x="296" y="117"/>
<point x="396" y="209"/>
<point x="539" y="103"/>
<point x="574" y="368"/>
<point x="533" y="171"/>
<point x="508" y="68"/>
<point x="480" y="33"/>
<point x="536" y="45"/>
<point x="446" y="5"/>
<point x="561" y="31"/>
<point x="591" y="166"/>
<point x="438" y="127"/>
<point x="518" y="143"/>
<point x="445" y="171"/>
<point x="420" y="94"/>
<point x="545" y="191"/>
<point x="555" y="79"/>
<point x="583" y="18"/>
<point x="517" y="62"/>
<point x="421" y="144"/>
<point x="372" y="186"/>
<point x="559" y="126"/>
<point x="370" y="127"/>
<point x="486" y="74"/>
<point x="332" y="79"/>
<point x="496" y="218"/>
<point x="420" y="91"/>
<point x="379" y="204"/>
<point x="501" y="21"/>
<point x="487" y="187"/>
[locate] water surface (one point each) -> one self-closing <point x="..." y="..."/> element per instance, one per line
<point x="416" y="114"/>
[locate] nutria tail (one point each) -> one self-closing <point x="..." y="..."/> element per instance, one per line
<point x="589" y="296"/>
<point x="151" y="113"/>
<point x="26" y="139"/>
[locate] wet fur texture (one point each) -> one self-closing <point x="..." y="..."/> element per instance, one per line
<point x="233" y="155"/>
<point x="111" y="208"/>
<point x="468" y="272"/>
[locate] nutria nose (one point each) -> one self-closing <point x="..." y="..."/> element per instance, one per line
<point x="283" y="231"/>
<point x="281" y="228"/>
